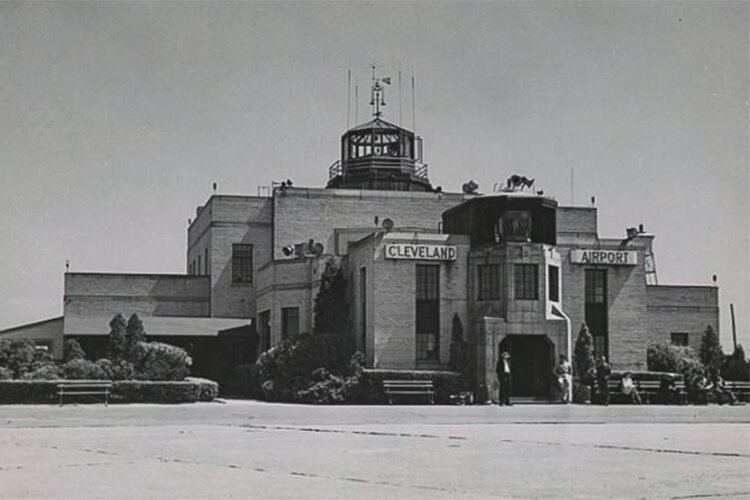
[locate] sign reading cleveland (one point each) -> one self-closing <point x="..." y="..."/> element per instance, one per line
<point x="420" y="251"/>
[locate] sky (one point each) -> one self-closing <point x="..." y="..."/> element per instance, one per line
<point x="118" y="117"/>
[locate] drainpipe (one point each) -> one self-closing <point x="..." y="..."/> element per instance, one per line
<point x="561" y="314"/>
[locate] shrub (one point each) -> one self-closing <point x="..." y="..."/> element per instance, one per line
<point x="5" y="373"/>
<point x="736" y="367"/>
<point x="45" y="391"/>
<point x="83" y="369"/>
<point x="711" y="353"/>
<point x="583" y="356"/>
<point x="158" y="361"/>
<point x="117" y="337"/>
<point x="134" y="331"/>
<point x="19" y="356"/>
<point x="459" y="361"/>
<point x="46" y="372"/>
<point x="286" y="369"/>
<point x="28" y="391"/>
<point x="665" y="357"/>
<point x="73" y="350"/>
<point x="117" y="370"/>
<point x="147" y="391"/>
<point x="331" y="309"/>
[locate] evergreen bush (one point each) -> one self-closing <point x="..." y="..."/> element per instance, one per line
<point x="711" y="353"/>
<point x="158" y="361"/>
<point x="73" y="350"/>
<point x="285" y="372"/>
<point x="83" y="369"/>
<point x="46" y="372"/>
<point x="118" y="342"/>
<point x="736" y="367"/>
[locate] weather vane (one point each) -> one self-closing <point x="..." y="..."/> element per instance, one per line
<point x="377" y="97"/>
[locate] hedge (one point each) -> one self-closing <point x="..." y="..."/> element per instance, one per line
<point x="444" y="382"/>
<point x="189" y="390"/>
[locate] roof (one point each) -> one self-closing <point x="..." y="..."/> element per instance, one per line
<point x="377" y="123"/>
<point x="30" y="325"/>
<point x="155" y="325"/>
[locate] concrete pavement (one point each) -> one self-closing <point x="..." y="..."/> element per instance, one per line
<point x="248" y="449"/>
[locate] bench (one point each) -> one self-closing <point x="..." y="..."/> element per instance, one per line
<point x="404" y="387"/>
<point x="648" y="389"/>
<point x="739" y="389"/>
<point x="84" y="389"/>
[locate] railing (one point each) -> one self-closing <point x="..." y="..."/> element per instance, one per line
<point x="420" y="170"/>
<point x="335" y="170"/>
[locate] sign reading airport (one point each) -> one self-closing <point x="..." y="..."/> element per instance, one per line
<point x="604" y="257"/>
<point x="420" y="251"/>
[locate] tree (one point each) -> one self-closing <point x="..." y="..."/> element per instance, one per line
<point x="134" y="332"/>
<point x="583" y="355"/>
<point x="736" y="367"/>
<point x="117" y="337"/>
<point x="459" y="352"/>
<point x="711" y="354"/>
<point x="73" y="350"/>
<point x="331" y="308"/>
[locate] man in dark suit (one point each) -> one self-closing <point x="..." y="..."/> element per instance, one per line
<point x="502" y="369"/>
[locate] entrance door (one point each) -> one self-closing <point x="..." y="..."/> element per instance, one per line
<point x="531" y="363"/>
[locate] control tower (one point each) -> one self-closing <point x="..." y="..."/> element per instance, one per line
<point x="379" y="155"/>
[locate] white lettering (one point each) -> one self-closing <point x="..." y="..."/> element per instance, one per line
<point x="606" y="257"/>
<point x="420" y="251"/>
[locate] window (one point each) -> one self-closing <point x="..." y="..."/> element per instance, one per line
<point x="289" y="322"/>
<point x="526" y="281"/>
<point x="242" y="263"/>
<point x="680" y="339"/>
<point x="43" y="345"/>
<point x="516" y="226"/>
<point x="554" y="284"/>
<point x="428" y="313"/>
<point x="199" y="265"/>
<point x="489" y="281"/>
<point x="205" y="262"/>
<point x="264" y="330"/>
<point x="596" y="309"/>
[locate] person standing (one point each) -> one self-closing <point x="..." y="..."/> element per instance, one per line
<point x="602" y="376"/>
<point x="502" y="369"/>
<point x="564" y="372"/>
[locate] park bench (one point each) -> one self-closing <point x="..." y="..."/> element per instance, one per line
<point x="739" y="389"/>
<point x="409" y="387"/>
<point x="84" y="388"/>
<point x="648" y="389"/>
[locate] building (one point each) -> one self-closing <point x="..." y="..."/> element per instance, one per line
<point x="508" y="267"/>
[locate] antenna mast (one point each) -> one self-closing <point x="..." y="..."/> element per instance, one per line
<point x="400" y="117"/>
<point x="348" y="97"/>
<point x="413" y="107"/>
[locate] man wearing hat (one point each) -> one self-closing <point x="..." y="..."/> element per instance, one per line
<point x="503" y="376"/>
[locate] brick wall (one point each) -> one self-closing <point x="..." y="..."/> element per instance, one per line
<point x="304" y="213"/>
<point x="391" y="301"/>
<point x="681" y="309"/>
<point x="226" y="220"/>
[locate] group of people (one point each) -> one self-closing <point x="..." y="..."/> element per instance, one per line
<point x="712" y="387"/>
<point x="564" y="374"/>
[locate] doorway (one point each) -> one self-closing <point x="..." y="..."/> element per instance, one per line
<point x="531" y="364"/>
